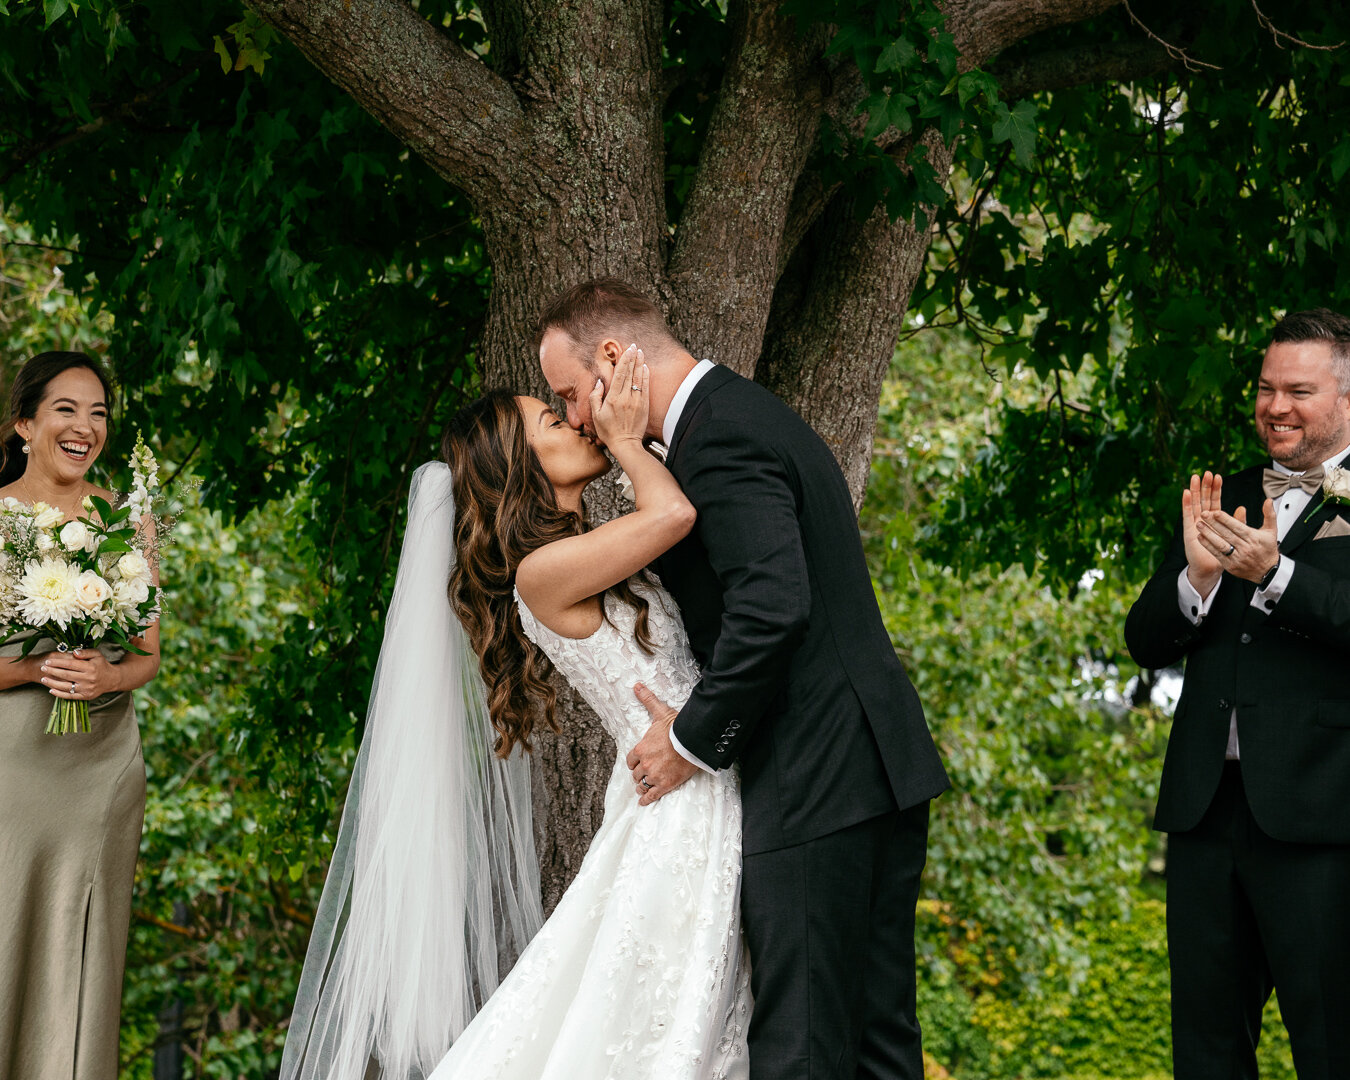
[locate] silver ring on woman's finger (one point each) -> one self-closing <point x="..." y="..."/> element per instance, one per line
<point x="637" y="388"/>
<point x="1231" y="548"/>
<point x="72" y="686"/>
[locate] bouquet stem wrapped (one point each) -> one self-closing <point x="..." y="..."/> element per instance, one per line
<point x="68" y="716"/>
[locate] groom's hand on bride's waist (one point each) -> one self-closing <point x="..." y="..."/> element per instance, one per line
<point x="658" y="768"/>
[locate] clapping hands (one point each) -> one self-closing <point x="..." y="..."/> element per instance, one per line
<point x="1217" y="541"/>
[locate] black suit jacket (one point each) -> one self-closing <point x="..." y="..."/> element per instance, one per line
<point x="800" y="681"/>
<point x="1286" y="670"/>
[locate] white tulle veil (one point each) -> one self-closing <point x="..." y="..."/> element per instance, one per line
<point x="434" y="886"/>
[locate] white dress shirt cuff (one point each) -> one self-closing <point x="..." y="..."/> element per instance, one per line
<point x="679" y="749"/>
<point x="1188" y="597"/>
<point x="1267" y="598"/>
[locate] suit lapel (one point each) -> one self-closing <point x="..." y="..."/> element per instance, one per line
<point x="1309" y="521"/>
<point x="718" y="376"/>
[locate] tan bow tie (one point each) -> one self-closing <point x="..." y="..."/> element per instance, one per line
<point x="1277" y="483"/>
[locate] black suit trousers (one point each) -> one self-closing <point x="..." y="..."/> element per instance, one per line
<point x="830" y="928"/>
<point x="1247" y="913"/>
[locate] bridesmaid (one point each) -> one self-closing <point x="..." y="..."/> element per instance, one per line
<point x="71" y="806"/>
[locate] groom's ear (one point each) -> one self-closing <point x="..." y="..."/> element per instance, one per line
<point x="607" y="354"/>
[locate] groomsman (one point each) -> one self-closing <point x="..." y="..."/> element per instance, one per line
<point x="1255" y="594"/>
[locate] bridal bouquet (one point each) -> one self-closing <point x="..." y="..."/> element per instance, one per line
<point x="82" y="582"/>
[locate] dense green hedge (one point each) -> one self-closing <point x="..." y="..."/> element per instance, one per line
<point x="1114" y="1026"/>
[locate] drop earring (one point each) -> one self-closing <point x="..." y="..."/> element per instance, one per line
<point x="27" y="449"/>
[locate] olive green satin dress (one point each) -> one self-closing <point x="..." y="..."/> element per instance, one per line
<point x="71" y="808"/>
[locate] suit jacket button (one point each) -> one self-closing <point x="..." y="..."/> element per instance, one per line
<point x="1225" y="705"/>
<point x="1246" y="639"/>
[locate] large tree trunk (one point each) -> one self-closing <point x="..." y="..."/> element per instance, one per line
<point x="559" y="146"/>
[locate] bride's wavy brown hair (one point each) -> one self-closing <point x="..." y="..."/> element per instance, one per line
<point x="505" y="508"/>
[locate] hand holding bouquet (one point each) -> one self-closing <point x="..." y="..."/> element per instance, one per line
<point x="80" y="583"/>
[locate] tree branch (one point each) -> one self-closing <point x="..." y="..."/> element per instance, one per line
<point x="1059" y="69"/>
<point x="837" y="316"/>
<point x="761" y="132"/>
<point x="984" y="28"/>
<point x="429" y="92"/>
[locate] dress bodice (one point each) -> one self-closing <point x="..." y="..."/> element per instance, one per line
<point x="605" y="666"/>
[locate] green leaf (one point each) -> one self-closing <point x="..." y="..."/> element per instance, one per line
<point x="103" y="507"/>
<point x="1340" y="160"/>
<point x="1017" y="126"/>
<point x="223" y="51"/>
<point x="54" y="9"/>
<point x="112" y="546"/>
<point x="896" y="56"/>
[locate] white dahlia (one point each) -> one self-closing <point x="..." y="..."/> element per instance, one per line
<point x="47" y="593"/>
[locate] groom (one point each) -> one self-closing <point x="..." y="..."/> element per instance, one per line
<point x="800" y="685"/>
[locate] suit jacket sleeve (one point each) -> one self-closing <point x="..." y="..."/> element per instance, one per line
<point x="748" y="524"/>
<point x="1316" y="603"/>
<point x="1157" y="633"/>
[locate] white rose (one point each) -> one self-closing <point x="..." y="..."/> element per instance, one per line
<point x="76" y="537"/>
<point x="1336" y="483"/>
<point x="45" y="542"/>
<point x="46" y="517"/>
<point x="133" y="567"/>
<point x="128" y="596"/>
<point x="91" y="591"/>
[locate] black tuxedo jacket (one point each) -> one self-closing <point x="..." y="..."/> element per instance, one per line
<point x="800" y="681"/>
<point x="1286" y="670"/>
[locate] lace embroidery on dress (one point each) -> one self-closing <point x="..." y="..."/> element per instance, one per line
<point x="639" y="974"/>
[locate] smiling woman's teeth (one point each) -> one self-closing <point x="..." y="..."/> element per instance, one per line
<point x="79" y="451"/>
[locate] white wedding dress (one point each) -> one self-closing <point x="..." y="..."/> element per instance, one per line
<point x="639" y="973"/>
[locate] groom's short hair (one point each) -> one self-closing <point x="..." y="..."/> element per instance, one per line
<point x="600" y="308"/>
<point x="1320" y="324"/>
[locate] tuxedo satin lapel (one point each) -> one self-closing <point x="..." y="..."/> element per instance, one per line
<point x="718" y="376"/>
<point x="1312" y="519"/>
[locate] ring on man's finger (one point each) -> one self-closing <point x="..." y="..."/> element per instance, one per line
<point x="1231" y="548"/>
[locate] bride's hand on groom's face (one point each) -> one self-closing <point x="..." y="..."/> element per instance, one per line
<point x="657" y="767"/>
<point x="621" y="412"/>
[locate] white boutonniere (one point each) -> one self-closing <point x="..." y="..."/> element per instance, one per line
<point x="1336" y="484"/>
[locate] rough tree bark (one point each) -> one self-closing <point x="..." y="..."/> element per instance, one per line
<point x="559" y="145"/>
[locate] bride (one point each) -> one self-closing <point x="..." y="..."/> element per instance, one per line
<point x="433" y="889"/>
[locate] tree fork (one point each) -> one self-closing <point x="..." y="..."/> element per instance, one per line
<point x="725" y="262"/>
